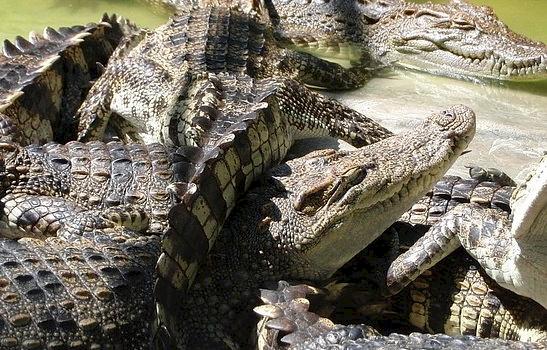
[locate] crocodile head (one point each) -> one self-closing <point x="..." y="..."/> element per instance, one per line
<point x="457" y="40"/>
<point x="341" y="201"/>
<point x="529" y="206"/>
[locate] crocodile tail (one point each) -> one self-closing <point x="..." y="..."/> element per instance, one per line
<point x="243" y="138"/>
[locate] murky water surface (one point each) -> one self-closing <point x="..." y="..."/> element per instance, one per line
<point x="512" y="118"/>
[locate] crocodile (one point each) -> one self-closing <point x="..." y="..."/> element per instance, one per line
<point x="304" y="222"/>
<point x="456" y="297"/>
<point x="43" y="80"/>
<point x="287" y="323"/>
<point x="510" y="249"/>
<point x="70" y="191"/>
<point x="149" y="85"/>
<point x="456" y="39"/>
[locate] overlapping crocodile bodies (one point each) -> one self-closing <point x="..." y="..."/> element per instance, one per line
<point x="512" y="254"/>
<point x="298" y="225"/>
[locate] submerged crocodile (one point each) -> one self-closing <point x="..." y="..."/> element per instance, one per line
<point x="286" y="311"/>
<point x="44" y="80"/>
<point x="310" y="217"/>
<point x="456" y="39"/>
<point x="510" y="249"/>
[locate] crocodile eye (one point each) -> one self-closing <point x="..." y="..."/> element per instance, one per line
<point x="442" y="24"/>
<point x="310" y="200"/>
<point x="462" y="24"/>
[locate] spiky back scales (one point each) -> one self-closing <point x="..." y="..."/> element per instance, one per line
<point x="44" y="79"/>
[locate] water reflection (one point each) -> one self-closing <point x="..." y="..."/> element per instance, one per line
<point x="511" y="118"/>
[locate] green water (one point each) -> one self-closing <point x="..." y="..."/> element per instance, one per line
<point x="20" y="17"/>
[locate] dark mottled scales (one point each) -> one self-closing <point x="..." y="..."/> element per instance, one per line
<point x="56" y="294"/>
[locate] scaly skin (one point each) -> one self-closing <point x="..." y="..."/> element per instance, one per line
<point x="68" y="190"/>
<point x="286" y="309"/>
<point x="510" y="249"/>
<point x="88" y="294"/>
<point x="311" y="216"/>
<point x="43" y="81"/>
<point x="452" y="191"/>
<point x="154" y="79"/>
<point x="261" y="134"/>
<point x="455" y="297"/>
<point x="456" y="39"/>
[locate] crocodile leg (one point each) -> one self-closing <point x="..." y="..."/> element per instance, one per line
<point x="441" y="240"/>
<point x="510" y="249"/>
<point x="49" y="216"/>
<point x="320" y="73"/>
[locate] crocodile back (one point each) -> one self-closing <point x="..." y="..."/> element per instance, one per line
<point x="57" y="294"/>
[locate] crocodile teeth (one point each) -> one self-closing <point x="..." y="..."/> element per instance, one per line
<point x="503" y="70"/>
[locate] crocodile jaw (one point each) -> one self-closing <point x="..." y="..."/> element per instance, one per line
<point x="457" y="41"/>
<point x="402" y="169"/>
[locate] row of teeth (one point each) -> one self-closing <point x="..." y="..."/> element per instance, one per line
<point x="499" y="64"/>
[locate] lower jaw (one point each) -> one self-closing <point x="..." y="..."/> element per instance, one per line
<point x="459" y="72"/>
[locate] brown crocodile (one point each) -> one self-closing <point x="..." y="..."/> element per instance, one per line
<point x="510" y="249"/>
<point x="44" y="80"/>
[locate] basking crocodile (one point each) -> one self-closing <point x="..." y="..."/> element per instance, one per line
<point x="73" y="190"/>
<point x="311" y="216"/>
<point x="510" y="249"/>
<point x="286" y="311"/>
<point x="43" y="80"/>
<point x="152" y="82"/>
<point x="455" y="297"/>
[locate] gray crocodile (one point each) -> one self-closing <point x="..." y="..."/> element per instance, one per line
<point x="44" y="80"/>
<point x="64" y="272"/>
<point x="311" y="216"/>
<point x="288" y="324"/>
<point x="456" y="297"/>
<point x="510" y="249"/>
<point x="456" y="39"/>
